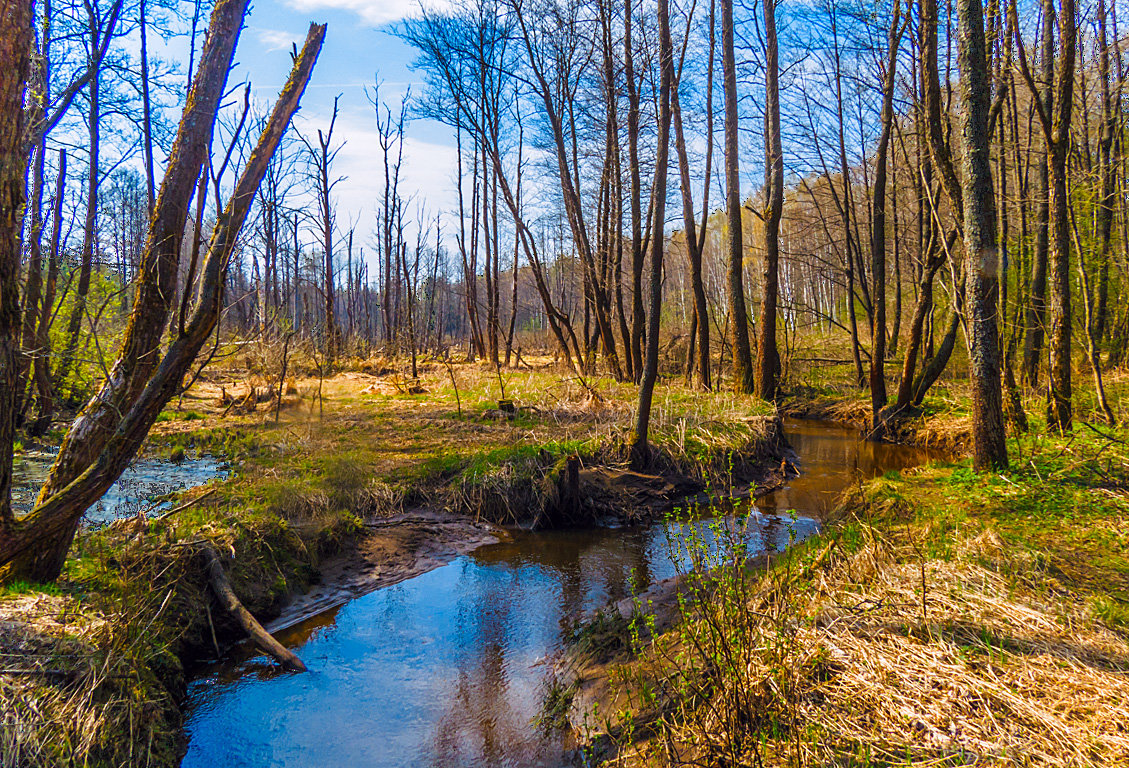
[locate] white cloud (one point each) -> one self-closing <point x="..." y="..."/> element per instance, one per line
<point x="375" y="12"/>
<point x="276" y="39"/>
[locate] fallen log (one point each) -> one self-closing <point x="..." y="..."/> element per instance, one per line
<point x="226" y="595"/>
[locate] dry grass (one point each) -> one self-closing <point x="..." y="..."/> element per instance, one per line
<point x="75" y="688"/>
<point x="990" y="673"/>
<point x="883" y="656"/>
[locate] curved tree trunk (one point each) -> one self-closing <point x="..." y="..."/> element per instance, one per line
<point x="101" y="443"/>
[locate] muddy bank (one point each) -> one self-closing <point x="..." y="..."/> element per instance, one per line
<point x="388" y="552"/>
<point x="413" y="542"/>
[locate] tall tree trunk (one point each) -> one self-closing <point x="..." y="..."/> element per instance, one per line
<point x="640" y="448"/>
<point x="1036" y="313"/>
<point x="41" y="372"/>
<point x="147" y="112"/>
<point x="89" y="230"/>
<point x="15" y="55"/>
<point x="878" y="228"/>
<point x="989" y="446"/>
<point x="1059" y="404"/>
<point x="735" y="283"/>
<point x="700" y="363"/>
<point x="638" y="314"/>
<point x="1107" y="171"/>
<point x="768" y="358"/>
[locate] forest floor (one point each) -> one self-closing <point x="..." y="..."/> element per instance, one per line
<point x="942" y="617"/>
<point x="360" y="480"/>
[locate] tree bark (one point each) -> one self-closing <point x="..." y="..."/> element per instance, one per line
<point x="878" y="228"/>
<point x="1036" y="313"/>
<point x="15" y="59"/>
<point x="989" y="446"/>
<point x="735" y="282"/>
<point x="768" y="358"/>
<point x="701" y="361"/>
<point x="641" y="448"/>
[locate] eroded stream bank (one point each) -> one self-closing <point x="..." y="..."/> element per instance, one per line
<point x="447" y="668"/>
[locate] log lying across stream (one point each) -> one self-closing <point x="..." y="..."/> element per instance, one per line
<point x="222" y="587"/>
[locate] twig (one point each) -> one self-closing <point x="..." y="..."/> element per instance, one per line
<point x="186" y="505"/>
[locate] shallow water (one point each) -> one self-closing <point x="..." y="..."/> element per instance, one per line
<point x="142" y="482"/>
<point x="446" y="669"/>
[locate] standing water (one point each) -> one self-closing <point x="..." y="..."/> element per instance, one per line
<point x="140" y="487"/>
<point x="447" y="668"/>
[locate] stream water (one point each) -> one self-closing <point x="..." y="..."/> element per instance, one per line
<point x="447" y="668"/>
<point x="144" y="482"/>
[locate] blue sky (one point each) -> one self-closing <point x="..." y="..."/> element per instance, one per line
<point x="358" y="48"/>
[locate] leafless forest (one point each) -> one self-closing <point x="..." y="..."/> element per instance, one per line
<point x="905" y="184"/>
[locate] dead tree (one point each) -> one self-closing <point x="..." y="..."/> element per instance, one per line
<point x="321" y="156"/>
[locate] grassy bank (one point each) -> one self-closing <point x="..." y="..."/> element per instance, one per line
<point x="94" y="667"/>
<point x="944" y="617"/>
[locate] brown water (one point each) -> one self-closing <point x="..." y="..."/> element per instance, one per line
<point x="447" y="669"/>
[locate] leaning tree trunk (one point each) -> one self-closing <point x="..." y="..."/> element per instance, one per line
<point x="156" y="281"/>
<point x="100" y="445"/>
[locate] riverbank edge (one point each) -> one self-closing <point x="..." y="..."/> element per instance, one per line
<point x="950" y="433"/>
<point x="152" y="565"/>
<point x="880" y="524"/>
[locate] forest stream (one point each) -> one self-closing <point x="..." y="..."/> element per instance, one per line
<point x="448" y="668"/>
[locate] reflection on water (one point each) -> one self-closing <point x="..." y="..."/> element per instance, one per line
<point x="831" y="459"/>
<point x="142" y="481"/>
<point x="445" y="668"/>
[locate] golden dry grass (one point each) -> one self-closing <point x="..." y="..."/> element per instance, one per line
<point x="881" y="655"/>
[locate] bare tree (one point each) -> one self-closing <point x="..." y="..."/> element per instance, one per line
<point x="641" y="448"/>
<point x="320" y="155"/>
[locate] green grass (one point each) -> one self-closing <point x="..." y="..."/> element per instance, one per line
<point x="15" y="588"/>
